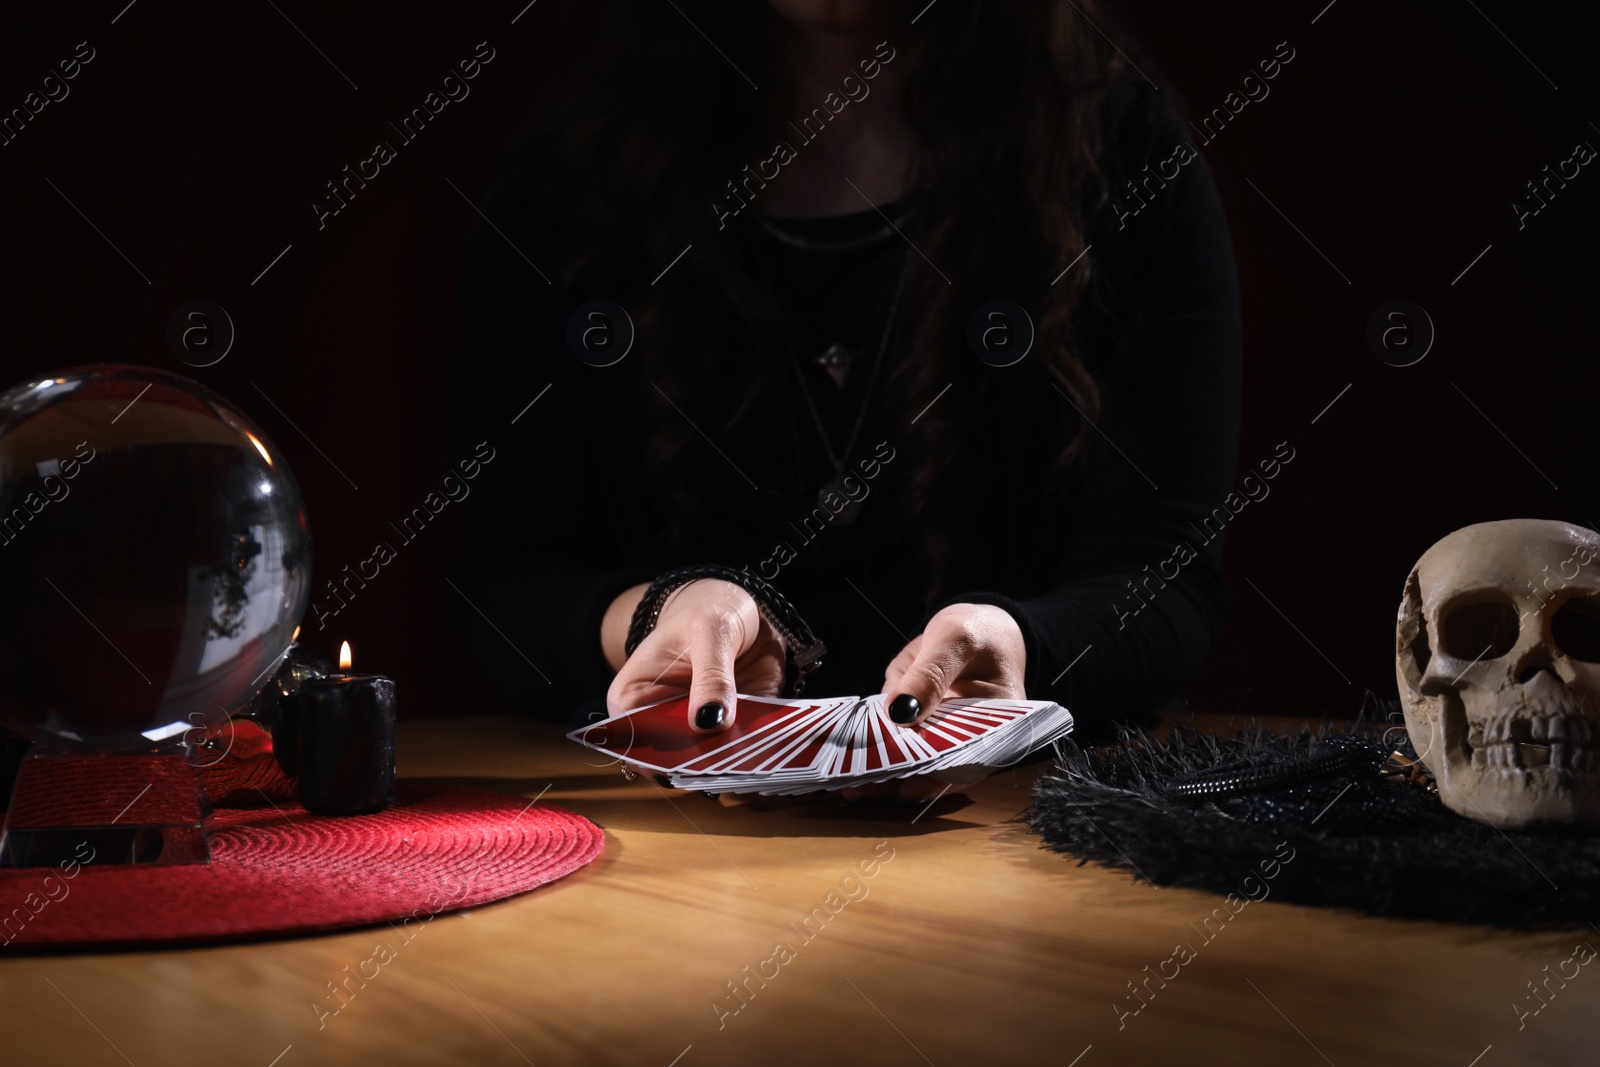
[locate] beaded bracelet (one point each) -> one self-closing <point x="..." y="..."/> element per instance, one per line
<point x="803" y="648"/>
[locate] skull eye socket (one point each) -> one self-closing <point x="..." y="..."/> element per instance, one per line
<point x="1575" y="628"/>
<point x="1486" y="629"/>
<point x="1420" y="653"/>
<point x="1415" y="651"/>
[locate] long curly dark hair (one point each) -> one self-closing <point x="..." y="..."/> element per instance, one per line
<point x="1002" y="96"/>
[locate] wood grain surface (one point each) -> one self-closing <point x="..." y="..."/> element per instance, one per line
<point x="811" y="933"/>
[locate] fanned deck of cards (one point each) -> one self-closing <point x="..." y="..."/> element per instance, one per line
<point x="779" y="747"/>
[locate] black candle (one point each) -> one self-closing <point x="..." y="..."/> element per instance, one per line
<point x="346" y="726"/>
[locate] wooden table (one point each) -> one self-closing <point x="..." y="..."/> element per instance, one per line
<point x="967" y="945"/>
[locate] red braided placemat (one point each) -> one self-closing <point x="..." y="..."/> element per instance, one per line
<point x="276" y="870"/>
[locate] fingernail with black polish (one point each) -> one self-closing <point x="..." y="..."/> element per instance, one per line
<point x="904" y="708"/>
<point x="710" y="716"/>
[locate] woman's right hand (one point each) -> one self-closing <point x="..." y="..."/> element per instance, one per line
<point x="710" y="639"/>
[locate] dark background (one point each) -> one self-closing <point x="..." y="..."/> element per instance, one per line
<point x="1396" y="141"/>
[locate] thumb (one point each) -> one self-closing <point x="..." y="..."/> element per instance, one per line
<point x="925" y="682"/>
<point x="711" y="686"/>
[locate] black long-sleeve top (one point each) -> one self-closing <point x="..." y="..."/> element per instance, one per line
<point x="1114" y="577"/>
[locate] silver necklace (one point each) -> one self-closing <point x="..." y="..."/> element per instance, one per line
<point x="850" y="511"/>
<point x="794" y="240"/>
<point x="836" y="359"/>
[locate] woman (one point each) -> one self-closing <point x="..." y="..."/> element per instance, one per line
<point x="833" y="225"/>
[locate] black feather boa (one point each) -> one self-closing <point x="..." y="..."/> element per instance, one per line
<point x="1358" y="840"/>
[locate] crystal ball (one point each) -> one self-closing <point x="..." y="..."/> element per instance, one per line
<point x="155" y="558"/>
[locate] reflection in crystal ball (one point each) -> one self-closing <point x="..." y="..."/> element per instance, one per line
<point x="155" y="558"/>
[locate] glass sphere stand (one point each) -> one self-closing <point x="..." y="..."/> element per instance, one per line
<point x="75" y="806"/>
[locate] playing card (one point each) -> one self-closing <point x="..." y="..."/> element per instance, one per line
<point x="659" y="736"/>
<point x="784" y="747"/>
<point x="808" y="740"/>
<point x="754" y="747"/>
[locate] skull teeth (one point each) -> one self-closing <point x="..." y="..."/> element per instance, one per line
<point x="1529" y="756"/>
<point x="1525" y="741"/>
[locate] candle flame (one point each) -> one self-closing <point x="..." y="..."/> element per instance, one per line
<point x="296" y="635"/>
<point x="344" y="655"/>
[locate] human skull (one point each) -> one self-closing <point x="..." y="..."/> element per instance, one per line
<point x="1497" y="655"/>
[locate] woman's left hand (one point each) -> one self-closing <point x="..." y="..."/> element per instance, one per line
<point x="967" y="650"/>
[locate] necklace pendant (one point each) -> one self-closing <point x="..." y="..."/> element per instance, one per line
<point x="837" y="361"/>
<point x="846" y="514"/>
